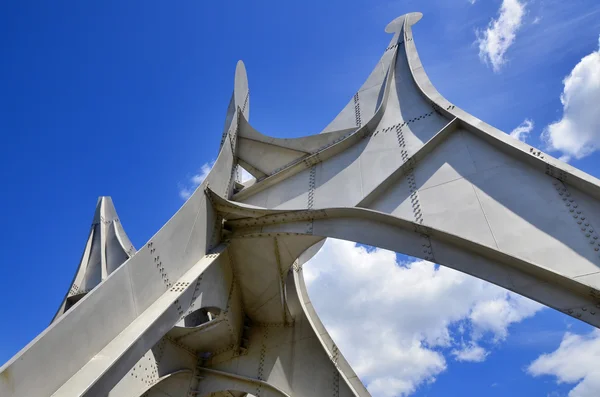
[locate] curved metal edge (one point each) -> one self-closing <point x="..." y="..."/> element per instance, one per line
<point x="306" y="144"/>
<point x="242" y="379"/>
<point x="300" y="147"/>
<point x="241" y="90"/>
<point x="202" y="327"/>
<point x="550" y="165"/>
<point x="342" y="365"/>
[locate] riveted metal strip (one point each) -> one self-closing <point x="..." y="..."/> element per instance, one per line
<point x="540" y="154"/>
<point x="394" y="46"/>
<point x="312" y="184"/>
<point x="196" y="378"/>
<point x="246" y="101"/>
<point x="179" y="286"/>
<point x="159" y="265"/>
<point x="357" y="110"/>
<point x="552" y="170"/>
<point x="585" y="226"/>
<point x="589" y="232"/>
<point x="335" y="354"/>
<point x="261" y="362"/>
<point x="275" y="325"/>
<point x="74" y="290"/>
<point x="413" y="189"/>
<point x="273" y="219"/>
<point x="194" y="295"/>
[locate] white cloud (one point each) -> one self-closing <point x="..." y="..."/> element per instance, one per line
<point x="186" y="190"/>
<point x="407" y="309"/>
<point x="471" y="352"/>
<point x="500" y="34"/>
<point x="522" y="131"/>
<point x="243" y="175"/>
<point x="577" y="133"/>
<point x="495" y="315"/>
<point x="575" y="361"/>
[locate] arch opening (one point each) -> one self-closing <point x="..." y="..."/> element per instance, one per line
<point x="201" y="316"/>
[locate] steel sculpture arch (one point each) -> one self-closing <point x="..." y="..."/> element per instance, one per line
<point x="400" y="167"/>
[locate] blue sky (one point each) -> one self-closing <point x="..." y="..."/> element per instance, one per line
<point x="128" y="99"/>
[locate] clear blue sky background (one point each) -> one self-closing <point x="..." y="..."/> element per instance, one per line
<point x="128" y="99"/>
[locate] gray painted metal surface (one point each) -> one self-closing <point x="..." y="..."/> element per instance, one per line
<point x="216" y="303"/>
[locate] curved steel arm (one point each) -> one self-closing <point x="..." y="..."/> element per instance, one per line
<point x="374" y="228"/>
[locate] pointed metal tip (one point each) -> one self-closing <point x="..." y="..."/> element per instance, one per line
<point x="397" y="24"/>
<point x="240" y="89"/>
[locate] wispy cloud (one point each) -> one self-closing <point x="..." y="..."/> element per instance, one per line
<point x="470" y="353"/>
<point x="186" y="189"/>
<point x="577" y="133"/>
<point x="575" y="362"/>
<point x="523" y="130"/>
<point x="417" y="306"/>
<point x="500" y="34"/>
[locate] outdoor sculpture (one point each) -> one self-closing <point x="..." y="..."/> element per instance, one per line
<point x="215" y="303"/>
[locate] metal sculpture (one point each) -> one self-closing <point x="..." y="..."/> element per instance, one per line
<point x="215" y="303"/>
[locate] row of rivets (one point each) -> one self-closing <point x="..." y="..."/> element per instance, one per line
<point x="159" y="266"/>
<point x="312" y="184"/>
<point x="357" y="110"/>
<point x="394" y="46"/>
<point x="261" y="361"/>
<point x="336" y="372"/>
<point x="554" y="172"/>
<point x="195" y="295"/>
<point x="584" y="224"/>
<point x="537" y="153"/>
